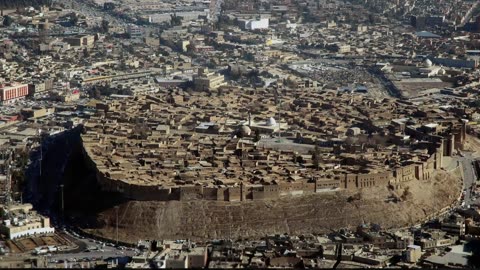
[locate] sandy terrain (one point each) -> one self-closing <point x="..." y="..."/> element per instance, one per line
<point x="472" y="144"/>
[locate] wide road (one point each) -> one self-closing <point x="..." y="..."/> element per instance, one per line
<point x="85" y="258"/>
<point x="470" y="177"/>
<point x="94" y="254"/>
<point x="88" y="251"/>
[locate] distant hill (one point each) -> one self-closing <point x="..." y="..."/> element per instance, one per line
<point x="10" y="4"/>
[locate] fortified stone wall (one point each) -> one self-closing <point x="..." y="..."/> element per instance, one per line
<point x="111" y="181"/>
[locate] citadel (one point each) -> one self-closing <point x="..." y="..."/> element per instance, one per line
<point x="180" y="147"/>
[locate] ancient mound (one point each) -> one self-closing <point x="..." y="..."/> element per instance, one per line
<point x="317" y="213"/>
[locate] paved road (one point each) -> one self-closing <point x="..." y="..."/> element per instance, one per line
<point x="85" y="258"/>
<point x="107" y="253"/>
<point x="466" y="160"/>
<point x="88" y="251"/>
<point x="469" y="179"/>
<point x="469" y="175"/>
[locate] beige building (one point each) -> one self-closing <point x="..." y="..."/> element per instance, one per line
<point x="81" y="40"/>
<point x="20" y="220"/>
<point x="206" y="80"/>
<point x="178" y="256"/>
<point x="184" y="45"/>
<point x="66" y="97"/>
<point x="197" y="257"/>
<point x="36" y="112"/>
<point x="413" y="253"/>
<point x="24" y="262"/>
<point x="40" y="87"/>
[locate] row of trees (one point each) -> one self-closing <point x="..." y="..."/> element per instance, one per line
<point x="18" y="172"/>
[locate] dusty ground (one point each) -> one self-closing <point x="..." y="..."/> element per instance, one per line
<point x="414" y="89"/>
<point x="472" y="144"/>
<point x="317" y="213"/>
<point x="30" y="243"/>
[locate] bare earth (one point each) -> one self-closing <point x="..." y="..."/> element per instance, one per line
<point x="472" y="144"/>
<point x="317" y="213"/>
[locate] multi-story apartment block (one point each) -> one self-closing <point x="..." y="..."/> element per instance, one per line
<point x="9" y="93"/>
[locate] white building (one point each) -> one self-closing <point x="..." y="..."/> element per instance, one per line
<point x="254" y="24"/>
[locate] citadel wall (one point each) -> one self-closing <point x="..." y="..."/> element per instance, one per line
<point x="112" y="181"/>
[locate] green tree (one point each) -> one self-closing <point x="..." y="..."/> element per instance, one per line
<point x="7" y="21"/>
<point x="74" y="19"/>
<point x="175" y="20"/>
<point x="18" y="180"/>
<point x="104" y="26"/>
<point x="86" y="53"/>
<point x="96" y="94"/>
<point x="257" y="136"/>
<point x="291" y="83"/>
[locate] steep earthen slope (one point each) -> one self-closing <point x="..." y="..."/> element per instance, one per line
<point x="295" y="215"/>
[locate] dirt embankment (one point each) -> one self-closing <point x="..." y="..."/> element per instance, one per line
<point x="318" y="213"/>
<point x="472" y="144"/>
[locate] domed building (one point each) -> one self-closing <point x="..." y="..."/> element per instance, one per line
<point x="271" y="122"/>
<point x="244" y="131"/>
<point x="267" y="126"/>
<point x="430" y="70"/>
<point x="427" y="63"/>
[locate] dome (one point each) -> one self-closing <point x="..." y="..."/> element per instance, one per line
<point x="271" y="121"/>
<point x="245" y="131"/>
<point x="428" y="63"/>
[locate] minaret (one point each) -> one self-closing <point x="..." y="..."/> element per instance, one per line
<point x="249" y="119"/>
